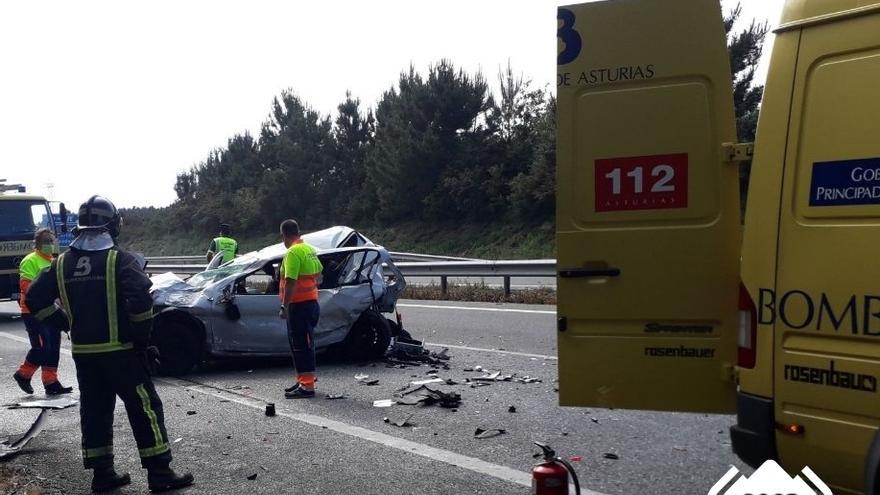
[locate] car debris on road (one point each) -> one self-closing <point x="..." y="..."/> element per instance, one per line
<point x="56" y="403"/>
<point x="483" y="433"/>
<point x="8" y="451"/>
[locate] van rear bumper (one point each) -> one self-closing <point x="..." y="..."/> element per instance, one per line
<point x="754" y="435"/>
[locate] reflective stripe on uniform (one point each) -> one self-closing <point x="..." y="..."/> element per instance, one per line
<point x="160" y="445"/>
<point x="96" y="348"/>
<point x="62" y="289"/>
<point x="46" y="312"/>
<point x="112" y="321"/>
<point x="146" y="315"/>
<point x="305" y="289"/>
<point x="154" y="451"/>
<point x="97" y="452"/>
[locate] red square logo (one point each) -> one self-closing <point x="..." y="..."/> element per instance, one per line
<point x="642" y="182"/>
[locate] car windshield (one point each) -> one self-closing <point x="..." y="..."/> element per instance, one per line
<point x="22" y="216"/>
<point x="237" y="266"/>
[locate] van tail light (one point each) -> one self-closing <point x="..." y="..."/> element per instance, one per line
<point x="748" y="330"/>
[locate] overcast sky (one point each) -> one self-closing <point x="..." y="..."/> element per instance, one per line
<point x="117" y="98"/>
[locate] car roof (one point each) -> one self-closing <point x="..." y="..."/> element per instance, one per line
<point x="323" y="240"/>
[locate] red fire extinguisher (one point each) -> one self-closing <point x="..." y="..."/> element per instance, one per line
<point x="550" y="477"/>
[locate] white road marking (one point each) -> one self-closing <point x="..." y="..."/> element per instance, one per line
<point x="478" y="466"/>
<point x="475" y="308"/>
<point x="497" y="351"/>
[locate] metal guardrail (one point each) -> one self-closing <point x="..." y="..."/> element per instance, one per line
<point x="396" y="256"/>
<point x="504" y="269"/>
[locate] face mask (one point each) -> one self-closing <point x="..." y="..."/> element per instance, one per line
<point x="47" y="250"/>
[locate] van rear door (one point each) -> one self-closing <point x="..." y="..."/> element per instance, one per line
<point x="648" y="218"/>
<point x="826" y="304"/>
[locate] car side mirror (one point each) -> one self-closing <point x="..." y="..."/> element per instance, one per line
<point x="227" y="295"/>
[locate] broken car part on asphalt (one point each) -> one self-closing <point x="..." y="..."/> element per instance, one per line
<point x="8" y="451"/>
<point x="56" y="403"/>
<point x="488" y="433"/>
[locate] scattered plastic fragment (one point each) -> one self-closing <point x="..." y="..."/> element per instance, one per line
<point x="595" y="420"/>
<point x="576" y="458"/>
<point x="383" y="403"/>
<point x="489" y="378"/>
<point x="469" y="368"/>
<point x="177" y="440"/>
<point x="270" y="409"/>
<point x="190" y="413"/>
<point x="430" y="380"/>
<point x="511" y="409"/>
<point x="609" y="455"/>
<point x="526" y="379"/>
<point x="252" y="477"/>
<point x="334" y="396"/>
<point x="365" y="379"/>
<point x="57" y="403"/>
<point x="408" y="352"/>
<point x="492" y="432"/>
<point x="8" y="451"/>
<point x="428" y="396"/>
<point x="402" y="422"/>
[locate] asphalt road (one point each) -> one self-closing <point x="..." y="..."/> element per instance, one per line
<point x="339" y="446"/>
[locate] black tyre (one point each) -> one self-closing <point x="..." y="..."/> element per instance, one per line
<point x="179" y="350"/>
<point x="368" y="338"/>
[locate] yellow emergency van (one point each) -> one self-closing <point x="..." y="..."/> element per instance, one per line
<point x="668" y="300"/>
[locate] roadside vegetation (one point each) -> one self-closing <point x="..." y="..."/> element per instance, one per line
<point x="442" y="164"/>
<point x="481" y="293"/>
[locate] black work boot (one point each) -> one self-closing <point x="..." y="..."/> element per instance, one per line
<point x="106" y="479"/>
<point x="55" y="388"/>
<point x="23" y="383"/>
<point x="163" y="479"/>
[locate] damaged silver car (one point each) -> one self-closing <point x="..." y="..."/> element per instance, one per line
<point x="232" y="310"/>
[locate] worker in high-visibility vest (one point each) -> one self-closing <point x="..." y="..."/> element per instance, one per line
<point x="223" y="244"/>
<point x="299" y="279"/>
<point x="45" y="340"/>
<point x="106" y="303"/>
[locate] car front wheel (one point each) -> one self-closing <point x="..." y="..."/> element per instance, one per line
<point x="368" y="338"/>
<point x="178" y="348"/>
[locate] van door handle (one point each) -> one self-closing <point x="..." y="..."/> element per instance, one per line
<point x="588" y="272"/>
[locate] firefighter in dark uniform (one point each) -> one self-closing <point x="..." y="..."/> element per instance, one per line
<point x="104" y="295"/>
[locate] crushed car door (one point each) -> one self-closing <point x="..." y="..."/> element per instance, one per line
<point x="350" y="284"/>
<point x="648" y="219"/>
<point x="255" y="325"/>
